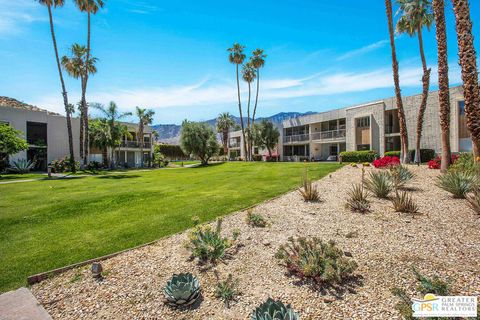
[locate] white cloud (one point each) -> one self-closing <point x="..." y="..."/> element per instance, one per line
<point x="14" y="15"/>
<point x="362" y="50"/>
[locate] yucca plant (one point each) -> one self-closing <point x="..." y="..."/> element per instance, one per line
<point x="474" y="200"/>
<point x="458" y="183"/>
<point x="403" y="202"/>
<point x="357" y="199"/>
<point x="308" y="190"/>
<point x="400" y="176"/>
<point x="379" y="183"/>
<point x="312" y="258"/>
<point x="274" y="310"/>
<point x="207" y="243"/>
<point x="227" y="290"/>
<point x="255" y="219"/>
<point x="22" y="166"/>
<point x="182" y="290"/>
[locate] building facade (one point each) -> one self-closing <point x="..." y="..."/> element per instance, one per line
<point x="370" y="126"/>
<point x="47" y="137"/>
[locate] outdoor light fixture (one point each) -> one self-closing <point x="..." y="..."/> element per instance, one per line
<point x="97" y="270"/>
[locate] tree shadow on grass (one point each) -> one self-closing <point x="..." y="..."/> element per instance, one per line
<point x="119" y="176"/>
<point x="200" y="166"/>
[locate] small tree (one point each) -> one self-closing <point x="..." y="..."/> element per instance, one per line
<point x="198" y="139"/>
<point x="10" y="142"/>
<point x="266" y="136"/>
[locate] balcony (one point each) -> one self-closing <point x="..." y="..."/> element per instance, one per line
<point x="390" y="129"/>
<point x="296" y="138"/>
<point x="329" y="135"/>
<point x="134" y="144"/>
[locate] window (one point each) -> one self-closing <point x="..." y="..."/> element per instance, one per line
<point x="363" y="122"/>
<point x="293" y="131"/>
<point x="461" y="108"/>
<point x="363" y="147"/>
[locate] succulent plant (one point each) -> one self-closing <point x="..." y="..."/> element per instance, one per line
<point x="182" y="290"/>
<point x="274" y="310"/>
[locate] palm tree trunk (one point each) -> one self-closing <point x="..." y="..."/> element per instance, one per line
<point x="84" y="92"/>
<point x="105" y="157"/>
<point x="249" y="129"/>
<point x="256" y="103"/>
<point x="423" y="104"/>
<point x="225" y="141"/>
<point x="64" y="93"/>
<point x="468" y="63"/>
<point x="140" y="140"/>
<point x="396" y="80"/>
<point x="241" y="114"/>
<point x="82" y="131"/>
<point x="443" y="83"/>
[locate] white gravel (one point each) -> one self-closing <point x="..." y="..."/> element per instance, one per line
<point x="444" y="239"/>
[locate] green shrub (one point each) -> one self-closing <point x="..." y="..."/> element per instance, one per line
<point x="255" y="219"/>
<point x="425" y="155"/>
<point x="312" y="258"/>
<point x="458" y="183"/>
<point x="308" y="191"/>
<point x="358" y="156"/>
<point x="182" y="290"/>
<point x="274" y="310"/>
<point x="257" y="157"/>
<point x="227" y="290"/>
<point x="379" y="183"/>
<point x="63" y="165"/>
<point x="357" y="199"/>
<point x="464" y="163"/>
<point x="392" y="154"/>
<point x="403" y="202"/>
<point x="207" y="244"/>
<point x="474" y="200"/>
<point x="400" y="176"/>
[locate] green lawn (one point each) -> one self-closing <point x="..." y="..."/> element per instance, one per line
<point x="26" y="176"/>
<point x="52" y="223"/>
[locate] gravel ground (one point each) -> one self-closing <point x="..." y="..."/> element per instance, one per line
<point x="444" y="239"/>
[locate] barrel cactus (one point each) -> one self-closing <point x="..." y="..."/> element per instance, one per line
<point x="274" y="310"/>
<point x="182" y="290"/>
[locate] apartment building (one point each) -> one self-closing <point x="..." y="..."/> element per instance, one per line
<point x="47" y="137"/>
<point x="370" y="126"/>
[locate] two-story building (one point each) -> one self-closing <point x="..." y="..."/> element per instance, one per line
<point x="47" y="137"/>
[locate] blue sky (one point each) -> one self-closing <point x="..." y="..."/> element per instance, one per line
<point x="171" y="55"/>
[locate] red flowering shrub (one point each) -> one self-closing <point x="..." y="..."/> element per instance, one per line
<point x="437" y="162"/>
<point x="386" y="161"/>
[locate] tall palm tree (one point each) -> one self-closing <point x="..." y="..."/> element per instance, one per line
<point x="468" y="63"/>
<point x="443" y="85"/>
<point x="68" y="107"/>
<point x="396" y="80"/>
<point x="224" y="123"/>
<point x="113" y="116"/>
<point x="236" y="56"/>
<point x="145" y="118"/>
<point x="90" y="7"/>
<point x="76" y="65"/>
<point x="101" y="137"/>
<point x="258" y="62"/>
<point x="248" y="75"/>
<point x="415" y="15"/>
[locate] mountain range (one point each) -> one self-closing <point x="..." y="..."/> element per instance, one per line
<point x="170" y="133"/>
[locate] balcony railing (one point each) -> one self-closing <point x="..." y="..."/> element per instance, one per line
<point x="134" y="144"/>
<point x="391" y="129"/>
<point x="323" y="135"/>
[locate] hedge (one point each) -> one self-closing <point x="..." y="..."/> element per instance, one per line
<point x="358" y="156"/>
<point x="425" y="154"/>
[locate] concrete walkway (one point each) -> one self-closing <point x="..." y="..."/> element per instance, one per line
<point x="21" y="305"/>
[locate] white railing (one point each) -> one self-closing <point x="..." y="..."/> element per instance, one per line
<point x="296" y="138"/>
<point x="322" y="135"/>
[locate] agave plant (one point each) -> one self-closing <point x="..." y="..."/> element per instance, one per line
<point x="309" y="192"/>
<point x="207" y="243"/>
<point x="182" y="290"/>
<point x="22" y="166"/>
<point x="379" y="183"/>
<point x="474" y="200"/>
<point x="458" y="183"/>
<point x="400" y="176"/>
<point x="403" y="202"/>
<point x="357" y="199"/>
<point x="274" y="310"/>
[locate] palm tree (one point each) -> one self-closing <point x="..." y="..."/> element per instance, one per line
<point x="68" y="107"/>
<point x="396" y="80"/>
<point x="90" y="7"/>
<point x="145" y="118"/>
<point x="101" y="137"/>
<point x="443" y="85"/>
<point x="75" y="65"/>
<point x="258" y="62"/>
<point x="113" y="115"/>
<point x="224" y="123"/>
<point x="248" y="75"/>
<point x="468" y="63"/>
<point x="236" y="56"/>
<point x="415" y="15"/>
<point x="267" y="136"/>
